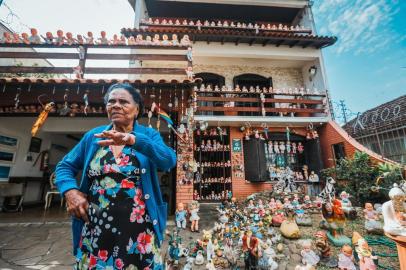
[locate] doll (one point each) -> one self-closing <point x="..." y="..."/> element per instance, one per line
<point x="79" y="40"/>
<point x="103" y="39"/>
<point x="25" y="38"/>
<point x="348" y="209"/>
<point x="346" y="259"/>
<point x="148" y="40"/>
<point x="372" y="223"/>
<point x="156" y="41"/>
<point x="309" y="257"/>
<point x="237" y="88"/>
<point x="251" y="204"/>
<point x="394" y="212"/>
<point x="185" y="41"/>
<point x="60" y="39"/>
<point x="123" y="40"/>
<point x="180" y="216"/>
<point x="251" y="250"/>
<point x="189" y="73"/>
<point x="34" y="38"/>
<point x="244" y="89"/>
<point x="69" y="38"/>
<point x="115" y="40"/>
<point x="272" y="205"/>
<point x="89" y="39"/>
<point x="305" y="172"/>
<point x="194" y="217"/>
<point x="6" y="38"/>
<point x="294" y="148"/>
<point x="300" y="148"/>
<point x="282" y="147"/>
<point x="365" y="255"/>
<point x="165" y="40"/>
<point x="322" y="244"/>
<point x="276" y="147"/>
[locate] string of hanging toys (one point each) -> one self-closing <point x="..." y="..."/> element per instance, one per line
<point x="42" y="116"/>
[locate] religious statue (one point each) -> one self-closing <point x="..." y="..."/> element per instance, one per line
<point x="394" y="212"/>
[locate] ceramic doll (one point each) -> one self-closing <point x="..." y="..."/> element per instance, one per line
<point x="270" y="147"/>
<point x="194" y="217"/>
<point x="286" y="203"/>
<point x="365" y="255"/>
<point x="279" y="215"/>
<point x="294" y="148"/>
<point x="252" y="89"/>
<point x="89" y="39"/>
<point x="25" y="38"/>
<point x="282" y="147"/>
<point x="394" y="212"/>
<point x="276" y="147"/>
<point x="180" y="216"/>
<point x="60" y="39"/>
<point x="156" y="40"/>
<point x="80" y="40"/>
<point x="300" y="148"/>
<point x="305" y="172"/>
<point x="189" y="73"/>
<point x="34" y="38"/>
<point x="165" y="40"/>
<point x="346" y="259"/>
<point x="237" y="88"/>
<point x="7" y="38"/>
<point x="272" y="205"/>
<point x="69" y="38"/>
<point x="309" y="257"/>
<point x="251" y="204"/>
<point x="295" y="202"/>
<point x="148" y="40"/>
<point x="371" y="218"/>
<point x="244" y="89"/>
<point x="139" y="40"/>
<point x="185" y="41"/>
<point x="103" y="40"/>
<point x="175" y="41"/>
<point x="288" y="147"/>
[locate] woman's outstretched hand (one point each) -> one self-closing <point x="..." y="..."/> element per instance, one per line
<point x="113" y="137"/>
<point x="77" y="204"/>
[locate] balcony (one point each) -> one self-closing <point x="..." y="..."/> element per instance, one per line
<point x="259" y="104"/>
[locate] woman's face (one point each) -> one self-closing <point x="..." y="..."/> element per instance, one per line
<point x="121" y="107"/>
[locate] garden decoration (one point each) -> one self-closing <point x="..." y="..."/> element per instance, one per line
<point x="349" y="211"/>
<point x="324" y="250"/>
<point x="366" y="258"/>
<point x="328" y="193"/>
<point x="372" y="223"/>
<point x="346" y="258"/>
<point x="334" y="221"/>
<point x="267" y="261"/>
<point x="194" y="217"/>
<point x="289" y="228"/>
<point x="180" y="216"/>
<point x="394" y="213"/>
<point x="309" y="257"/>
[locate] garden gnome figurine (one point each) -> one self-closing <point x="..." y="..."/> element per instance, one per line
<point x="180" y="216"/>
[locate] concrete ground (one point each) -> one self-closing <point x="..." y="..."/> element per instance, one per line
<point x="38" y="239"/>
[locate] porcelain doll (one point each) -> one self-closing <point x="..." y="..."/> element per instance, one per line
<point x="276" y="147"/>
<point x="307" y="203"/>
<point x="244" y="89"/>
<point x="346" y="259"/>
<point x="282" y="147"/>
<point x="16" y="38"/>
<point x="394" y="212"/>
<point x="300" y="148"/>
<point x="180" y="216"/>
<point x="365" y="255"/>
<point x="89" y="39"/>
<point x="189" y="73"/>
<point x="279" y="215"/>
<point x="156" y="40"/>
<point x="348" y="209"/>
<point x="7" y="38"/>
<point x="132" y="41"/>
<point x="372" y="223"/>
<point x="257" y="89"/>
<point x="309" y="257"/>
<point x="185" y="41"/>
<point x="25" y="38"/>
<point x="286" y="203"/>
<point x="194" y="217"/>
<point x="34" y="37"/>
<point x="80" y="40"/>
<point x="165" y="40"/>
<point x="237" y="88"/>
<point x="148" y="40"/>
<point x="270" y="147"/>
<point x="60" y="39"/>
<point x="103" y="40"/>
<point x="251" y="204"/>
<point x="69" y="38"/>
<point x="294" y="148"/>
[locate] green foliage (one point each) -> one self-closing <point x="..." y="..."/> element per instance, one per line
<point x="358" y="175"/>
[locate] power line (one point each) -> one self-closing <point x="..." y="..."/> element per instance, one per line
<point x="12" y="18"/>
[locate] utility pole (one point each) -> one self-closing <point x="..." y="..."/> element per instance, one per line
<point x="343" y="110"/>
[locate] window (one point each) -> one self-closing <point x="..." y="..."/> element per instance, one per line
<point x="338" y="151"/>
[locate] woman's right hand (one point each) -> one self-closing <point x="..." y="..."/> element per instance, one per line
<point x="77" y="204"/>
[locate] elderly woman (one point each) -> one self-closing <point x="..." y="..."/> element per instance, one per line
<point x="117" y="209"/>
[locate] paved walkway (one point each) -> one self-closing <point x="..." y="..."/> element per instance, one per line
<point x="35" y="239"/>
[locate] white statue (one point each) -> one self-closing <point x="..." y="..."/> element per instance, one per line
<point x="393" y="212"/>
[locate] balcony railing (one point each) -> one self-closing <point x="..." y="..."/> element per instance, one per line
<point x="298" y="103"/>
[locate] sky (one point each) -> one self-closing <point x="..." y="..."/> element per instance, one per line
<point x="366" y="67"/>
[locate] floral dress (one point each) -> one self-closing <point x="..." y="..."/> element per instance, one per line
<point x="119" y="234"/>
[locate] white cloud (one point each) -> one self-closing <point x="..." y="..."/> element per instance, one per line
<point x="362" y="26"/>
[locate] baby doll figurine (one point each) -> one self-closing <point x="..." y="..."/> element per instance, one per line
<point x="34" y="38"/>
<point x="309" y="257"/>
<point x="79" y="40"/>
<point x="175" y="41"/>
<point x="272" y="205"/>
<point x="103" y="39"/>
<point x="7" y="38"/>
<point x="194" y="217"/>
<point x="165" y="40"/>
<point x="60" y="39"/>
<point x="251" y="204"/>
<point x="156" y="41"/>
<point x="370" y="213"/>
<point x="372" y="224"/>
<point x="294" y="148"/>
<point x="185" y="41"/>
<point x="276" y="147"/>
<point x="300" y="148"/>
<point x="25" y="38"/>
<point x="346" y="259"/>
<point x="282" y="147"/>
<point x="89" y="39"/>
<point x="180" y="216"/>
<point x="69" y="38"/>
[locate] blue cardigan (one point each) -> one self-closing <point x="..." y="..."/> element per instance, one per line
<point x="151" y="152"/>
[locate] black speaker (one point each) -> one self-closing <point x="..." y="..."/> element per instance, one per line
<point x="254" y="161"/>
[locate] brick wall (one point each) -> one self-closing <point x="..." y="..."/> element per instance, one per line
<point x="331" y="133"/>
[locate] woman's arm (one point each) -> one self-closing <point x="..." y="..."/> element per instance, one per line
<point x="154" y="148"/>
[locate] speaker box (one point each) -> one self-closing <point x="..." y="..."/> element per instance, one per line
<point x="254" y="161"/>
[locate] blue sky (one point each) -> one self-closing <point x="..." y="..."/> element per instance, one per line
<point x="367" y="66"/>
<point x="364" y="67"/>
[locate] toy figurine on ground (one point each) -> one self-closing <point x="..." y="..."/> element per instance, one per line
<point x="333" y="221"/>
<point x="266" y="261"/>
<point x="372" y="224"/>
<point x="180" y="216"/>
<point x="324" y="250"/>
<point x="394" y="212"/>
<point x="279" y="215"/>
<point x="349" y="211"/>
<point x="313" y="184"/>
<point x="250" y="249"/>
<point x="194" y="217"/>
<point x="365" y="255"/>
<point x="309" y="257"/>
<point x="346" y="258"/>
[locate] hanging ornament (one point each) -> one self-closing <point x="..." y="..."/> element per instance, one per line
<point x="266" y="131"/>
<point x="42" y="117"/>
<point x="17" y="98"/>
<point x="149" y="118"/>
<point x="29" y="88"/>
<point x="287" y="134"/>
<point x="158" y="123"/>
<point x="155" y="109"/>
<point x="102" y="91"/>
<point x="4" y="88"/>
<point x="53" y="91"/>
<point x="77" y="90"/>
<point x="65" y="110"/>
<point x="86" y="101"/>
<point x="170" y="100"/>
